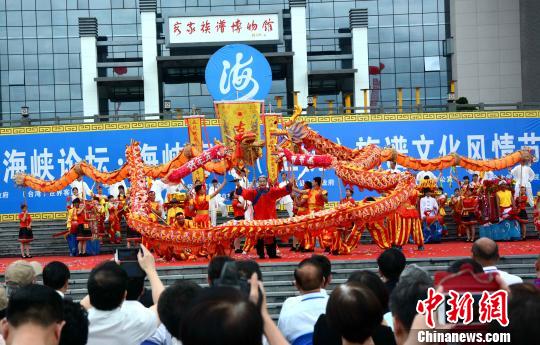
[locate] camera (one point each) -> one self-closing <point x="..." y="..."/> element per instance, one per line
<point x="230" y="277"/>
<point x="127" y="257"/>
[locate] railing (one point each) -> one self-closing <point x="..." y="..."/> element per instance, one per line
<point x="310" y="110"/>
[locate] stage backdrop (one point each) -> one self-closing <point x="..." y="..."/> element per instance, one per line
<point x="49" y="151"/>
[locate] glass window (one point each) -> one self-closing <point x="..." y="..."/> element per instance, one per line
<point x="403" y="80"/>
<point x="401" y="20"/>
<point x="99" y="4"/>
<point x="431" y="48"/>
<point x="29" y="18"/>
<point x="325" y="9"/>
<point x="415" y="19"/>
<point x="402" y="49"/>
<point x="102" y="16"/>
<point x="45" y="61"/>
<point x="416" y="33"/>
<point x="429" y="6"/>
<point x="14" y="32"/>
<point x="16" y="77"/>
<point x="32" y="93"/>
<point x="13" y="5"/>
<point x="16" y="61"/>
<point x="431" y="33"/>
<point x="417" y="64"/>
<point x="386" y="21"/>
<point x="61" y="76"/>
<point x="44" y="32"/>
<point x="59" y="17"/>
<point x="386" y="50"/>
<point x="61" y="91"/>
<point x="417" y="80"/>
<point x="15" y="46"/>
<point x="74" y="61"/>
<point x="44" y="17"/>
<point x="26" y="5"/>
<point x="44" y="45"/>
<point x="46" y="106"/>
<point x="75" y="91"/>
<point x="46" y="92"/>
<point x="46" y="76"/>
<point x="386" y="35"/>
<point x="16" y="93"/>
<point x="388" y="66"/>
<point x="31" y="77"/>
<point x="74" y="76"/>
<point x="401" y="34"/>
<point x="373" y="51"/>
<point x="60" y="31"/>
<point x="401" y="7"/>
<point x="430" y="19"/>
<point x="417" y="49"/>
<point x="415" y="6"/>
<point x="385" y="7"/>
<point x="432" y="79"/>
<point x="403" y="65"/>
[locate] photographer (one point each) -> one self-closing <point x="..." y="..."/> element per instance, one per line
<point x="113" y="320"/>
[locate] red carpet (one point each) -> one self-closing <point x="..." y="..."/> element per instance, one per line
<point x="362" y="252"/>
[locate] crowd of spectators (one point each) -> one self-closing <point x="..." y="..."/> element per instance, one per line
<point x="368" y="308"/>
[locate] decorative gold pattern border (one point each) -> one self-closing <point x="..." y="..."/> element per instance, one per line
<point x="14" y="217"/>
<point x="347" y="118"/>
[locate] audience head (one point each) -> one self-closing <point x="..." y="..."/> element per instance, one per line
<point x="3" y="302"/>
<point x="216" y="266"/>
<point x="222" y="316"/>
<point x="75" y="330"/>
<point x="415" y="273"/>
<point x="354" y="311"/>
<point x="174" y="303"/>
<point x="308" y="277"/>
<point x="21" y="273"/>
<point x="523" y="314"/>
<point x="465" y="264"/>
<point x="326" y="267"/>
<point x="308" y="185"/>
<point x="485" y="251"/>
<point x="246" y="268"/>
<point x="404" y="299"/>
<point x="135" y="288"/>
<point x="56" y="275"/>
<point x="107" y="285"/>
<point x="35" y="313"/>
<point x="372" y="282"/>
<point x="391" y="263"/>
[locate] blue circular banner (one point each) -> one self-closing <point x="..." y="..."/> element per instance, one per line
<point x="238" y="72"/>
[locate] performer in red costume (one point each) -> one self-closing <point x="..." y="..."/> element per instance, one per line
<point x="522" y="202"/>
<point x="264" y="200"/>
<point x="25" y="231"/>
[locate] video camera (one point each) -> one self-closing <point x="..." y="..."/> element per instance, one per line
<point x="231" y="277"/>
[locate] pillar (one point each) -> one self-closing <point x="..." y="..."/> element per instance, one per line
<point x="347" y="103"/>
<point x="358" y="19"/>
<point x="400" y="99"/>
<point x="299" y="47"/>
<point x="149" y="53"/>
<point x="88" y="37"/>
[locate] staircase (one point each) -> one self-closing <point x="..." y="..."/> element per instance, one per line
<point x="45" y="245"/>
<point x="278" y="277"/>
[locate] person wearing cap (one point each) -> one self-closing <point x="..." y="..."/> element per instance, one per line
<point x="216" y="203"/>
<point x="21" y="273"/>
<point x="264" y="200"/>
<point x="174" y="208"/>
<point x="25" y="231"/>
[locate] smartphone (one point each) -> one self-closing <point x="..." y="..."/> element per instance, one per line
<point x="127" y="257"/>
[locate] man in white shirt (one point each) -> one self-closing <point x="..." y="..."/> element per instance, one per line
<point x="392" y="167"/>
<point x="523" y="175"/>
<point x="486" y="252"/>
<point x="428" y="205"/>
<point x="113" y="188"/>
<point x="84" y="192"/>
<point x="241" y="175"/>
<point x="286" y="201"/>
<point x="299" y="314"/>
<point x="216" y="203"/>
<point x="158" y="187"/>
<point x="113" y="320"/>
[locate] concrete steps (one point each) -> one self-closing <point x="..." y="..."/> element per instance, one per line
<point x="45" y="245"/>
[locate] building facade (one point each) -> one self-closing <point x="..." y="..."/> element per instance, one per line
<point x="65" y="58"/>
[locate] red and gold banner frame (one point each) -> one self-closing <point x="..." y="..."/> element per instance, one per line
<point x="271" y="122"/>
<point x="194" y="124"/>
